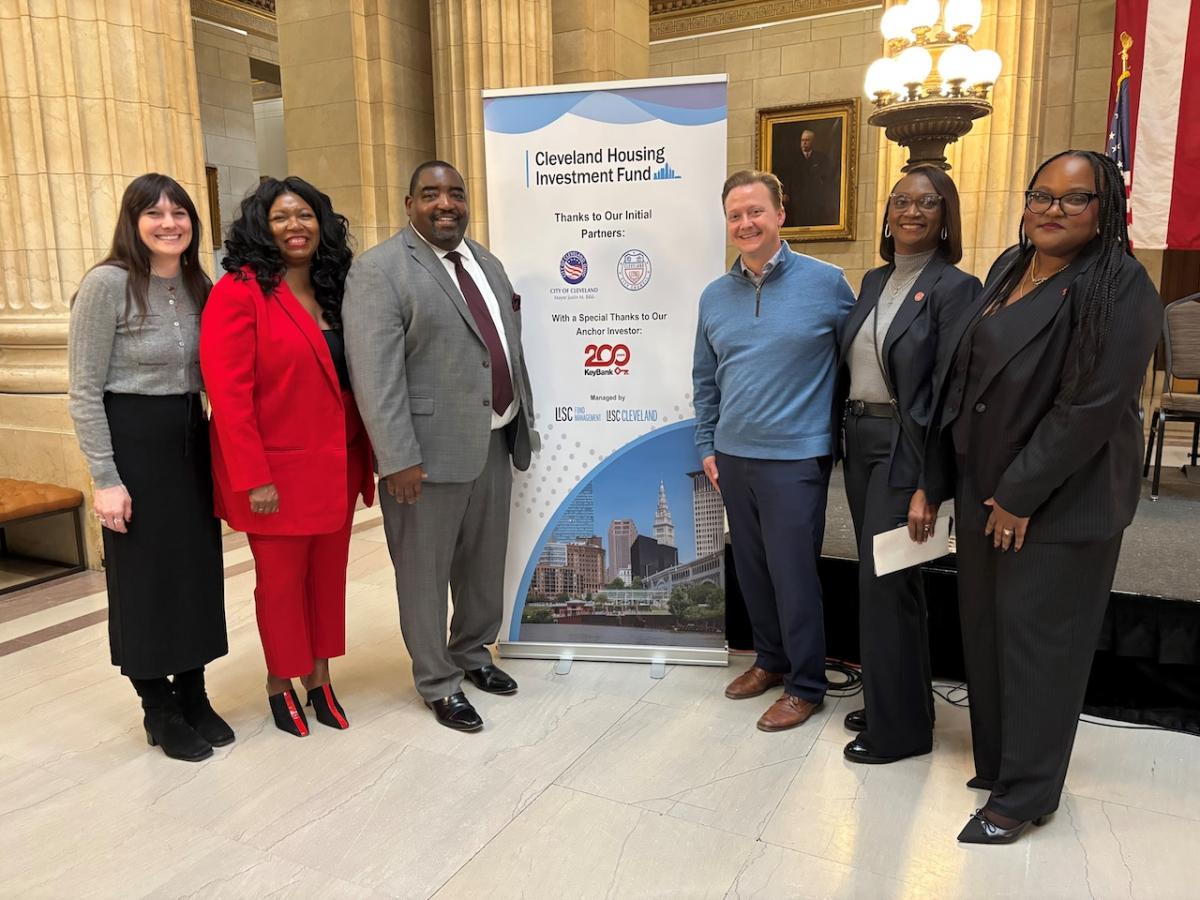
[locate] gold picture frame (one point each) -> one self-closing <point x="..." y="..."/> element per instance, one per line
<point x="813" y="149"/>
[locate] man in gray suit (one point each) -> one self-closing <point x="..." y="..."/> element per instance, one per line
<point x="433" y="342"/>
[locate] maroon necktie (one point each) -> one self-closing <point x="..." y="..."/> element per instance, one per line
<point x="502" y="391"/>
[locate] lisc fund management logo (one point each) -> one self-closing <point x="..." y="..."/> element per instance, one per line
<point x="633" y="270"/>
<point x="573" y="267"/>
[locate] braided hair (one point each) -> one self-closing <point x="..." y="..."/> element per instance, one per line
<point x="1096" y="298"/>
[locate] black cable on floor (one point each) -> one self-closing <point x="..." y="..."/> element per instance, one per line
<point x="847" y="681"/>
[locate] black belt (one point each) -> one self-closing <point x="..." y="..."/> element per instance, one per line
<point x="863" y="408"/>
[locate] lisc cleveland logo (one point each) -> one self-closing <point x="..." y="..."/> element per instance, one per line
<point x="605" y="359"/>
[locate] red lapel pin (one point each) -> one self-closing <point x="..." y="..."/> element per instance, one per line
<point x="920" y="295"/>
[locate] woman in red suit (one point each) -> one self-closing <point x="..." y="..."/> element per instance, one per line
<point x="290" y="455"/>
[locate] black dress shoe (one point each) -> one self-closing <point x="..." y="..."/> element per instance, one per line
<point x="981" y="784"/>
<point x="492" y="680"/>
<point x="981" y="831"/>
<point x="856" y="720"/>
<point x="857" y="751"/>
<point x="456" y="712"/>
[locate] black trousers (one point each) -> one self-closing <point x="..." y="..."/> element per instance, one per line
<point x="893" y="624"/>
<point x="776" y="514"/>
<point x="1030" y="622"/>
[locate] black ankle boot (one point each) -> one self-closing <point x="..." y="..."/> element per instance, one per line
<point x="164" y="722"/>
<point x="193" y="701"/>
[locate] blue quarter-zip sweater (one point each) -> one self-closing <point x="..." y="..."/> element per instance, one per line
<point x="763" y="369"/>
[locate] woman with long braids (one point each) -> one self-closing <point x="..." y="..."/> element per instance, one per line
<point x="290" y="456"/>
<point x="135" y="398"/>
<point x="1038" y="439"/>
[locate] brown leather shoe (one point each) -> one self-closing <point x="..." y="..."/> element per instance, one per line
<point x="751" y="683"/>
<point x="787" y="712"/>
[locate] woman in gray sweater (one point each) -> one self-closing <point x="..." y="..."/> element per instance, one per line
<point x="135" y="398"/>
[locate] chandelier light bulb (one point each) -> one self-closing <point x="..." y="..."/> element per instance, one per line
<point x="895" y="24"/>
<point x="883" y="77"/>
<point x="956" y="64"/>
<point x="923" y="13"/>
<point x="914" y="65"/>
<point x="985" y="67"/>
<point x="963" y="15"/>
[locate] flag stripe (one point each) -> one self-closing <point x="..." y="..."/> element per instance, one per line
<point x="1184" y="228"/>
<point x="1158" y="122"/>
<point x="1131" y="17"/>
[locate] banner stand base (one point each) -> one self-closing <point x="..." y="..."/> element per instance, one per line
<point x="658" y="668"/>
<point x="632" y="653"/>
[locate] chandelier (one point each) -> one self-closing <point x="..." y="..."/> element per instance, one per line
<point x="931" y="84"/>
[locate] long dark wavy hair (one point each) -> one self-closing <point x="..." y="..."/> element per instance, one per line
<point x="250" y="243"/>
<point x="1096" y="297"/>
<point x="129" y="251"/>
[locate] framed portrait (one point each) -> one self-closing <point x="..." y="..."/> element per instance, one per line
<point x="813" y="149"/>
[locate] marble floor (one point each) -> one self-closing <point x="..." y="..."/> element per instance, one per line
<point x="598" y="783"/>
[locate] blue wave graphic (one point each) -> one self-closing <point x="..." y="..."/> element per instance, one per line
<point x="691" y="104"/>
<point x="514" y="627"/>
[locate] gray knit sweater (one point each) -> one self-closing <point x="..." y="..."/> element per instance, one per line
<point x="158" y="355"/>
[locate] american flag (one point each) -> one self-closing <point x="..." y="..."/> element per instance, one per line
<point x="1154" y="134"/>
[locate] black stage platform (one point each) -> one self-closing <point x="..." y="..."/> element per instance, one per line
<point x="1147" y="666"/>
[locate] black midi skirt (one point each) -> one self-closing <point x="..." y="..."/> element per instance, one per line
<point x="166" y="585"/>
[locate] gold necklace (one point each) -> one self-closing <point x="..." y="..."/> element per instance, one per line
<point x="1040" y="281"/>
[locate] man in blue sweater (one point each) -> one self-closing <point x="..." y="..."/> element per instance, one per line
<point x="763" y="380"/>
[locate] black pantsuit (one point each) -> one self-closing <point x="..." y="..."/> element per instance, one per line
<point x="893" y="626"/>
<point x="776" y="510"/>
<point x="1070" y="462"/>
<point x="882" y="471"/>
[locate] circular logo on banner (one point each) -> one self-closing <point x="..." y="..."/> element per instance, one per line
<point x="633" y="270"/>
<point x="573" y="267"/>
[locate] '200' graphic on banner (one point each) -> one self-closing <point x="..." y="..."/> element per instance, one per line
<point x="605" y="359"/>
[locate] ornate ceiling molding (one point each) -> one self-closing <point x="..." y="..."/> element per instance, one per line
<point x="689" y="18"/>
<point x="254" y="16"/>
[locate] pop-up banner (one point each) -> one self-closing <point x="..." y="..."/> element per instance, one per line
<point x="604" y="205"/>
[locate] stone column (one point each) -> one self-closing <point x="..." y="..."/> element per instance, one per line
<point x="601" y="40"/>
<point x="480" y="44"/>
<point x="357" y="104"/>
<point x="91" y="96"/>
<point x="992" y="163"/>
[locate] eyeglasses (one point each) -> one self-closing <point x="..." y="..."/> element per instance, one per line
<point x="1072" y="204"/>
<point x="925" y="203"/>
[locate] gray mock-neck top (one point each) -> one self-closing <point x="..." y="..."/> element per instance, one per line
<point x="108" y="353"/>
<point x="866" y="381"/>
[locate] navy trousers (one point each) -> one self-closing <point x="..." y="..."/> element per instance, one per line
<point x="776" y="511"/>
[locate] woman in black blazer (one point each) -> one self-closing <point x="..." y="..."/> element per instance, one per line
<point x="1039" y="439"/>
<point x="882" y="399"/>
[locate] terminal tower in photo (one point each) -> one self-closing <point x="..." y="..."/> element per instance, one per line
<point x="664" y="527"/>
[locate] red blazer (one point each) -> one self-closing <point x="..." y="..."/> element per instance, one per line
<point x="278" y="413"/>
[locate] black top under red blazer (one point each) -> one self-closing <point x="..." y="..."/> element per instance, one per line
<point x="910" y="351"/>
<point x="1071" y="464"/>
<point x="278" y="412"/>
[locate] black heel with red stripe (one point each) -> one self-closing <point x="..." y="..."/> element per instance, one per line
<point x="325" y="704"/>
<point x="289" y="717"/>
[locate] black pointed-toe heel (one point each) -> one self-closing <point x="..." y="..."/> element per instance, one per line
<point x="289" y="717"/>
<point x="328" y="710"/>
<point x="979" y="830"/>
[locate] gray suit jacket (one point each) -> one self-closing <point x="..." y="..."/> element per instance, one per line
<point x="419" y="365"/>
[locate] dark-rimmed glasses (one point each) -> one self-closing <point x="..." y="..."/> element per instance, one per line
<point x="1072" y="204"/>
<point x="925" y="203"/>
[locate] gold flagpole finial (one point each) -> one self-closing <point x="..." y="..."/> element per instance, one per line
<point x="1126" y="43"/>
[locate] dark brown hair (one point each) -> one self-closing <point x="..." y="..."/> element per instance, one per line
<point x="950" y="246"/>
<point x="130" y="253"/>
<point x="754" y="176"/>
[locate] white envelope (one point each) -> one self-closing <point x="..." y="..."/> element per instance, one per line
<point x="895" y="550"/>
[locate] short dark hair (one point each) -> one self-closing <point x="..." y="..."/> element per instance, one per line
<point x="754" y="176"/>
<point x="430" y="164"/>
<point x="950" y="246"/>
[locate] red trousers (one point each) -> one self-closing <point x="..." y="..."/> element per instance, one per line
<point x="300" y="585"/>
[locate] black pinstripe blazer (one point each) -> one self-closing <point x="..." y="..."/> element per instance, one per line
<point x="1073" y="465"/>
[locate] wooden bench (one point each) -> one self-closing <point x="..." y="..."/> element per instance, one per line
<point x="28" y="501"/>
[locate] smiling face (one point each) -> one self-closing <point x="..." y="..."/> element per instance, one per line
<point x="753" y="221"/>
<point x="295" y="228"/>
<point x="166" y="230"/>
<point x="1053" y="232"/>
<point x="914" y="230"/>
<point x="438" y="207"/>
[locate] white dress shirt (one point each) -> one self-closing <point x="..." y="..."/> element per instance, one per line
<point x="489" y="298"/>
